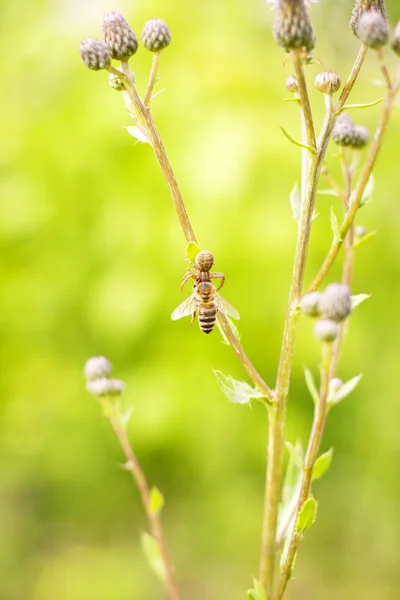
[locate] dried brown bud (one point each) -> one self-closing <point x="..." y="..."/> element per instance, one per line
<point x="118" y="36"/>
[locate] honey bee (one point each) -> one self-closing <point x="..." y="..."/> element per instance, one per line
<point x="205" y="297"/>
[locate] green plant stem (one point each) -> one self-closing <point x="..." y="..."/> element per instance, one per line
<point x="152" y="79"/>
<point x="133" y="466"/>
<point x="277" y="413"/>
<point x="159" y="150"/>
<point x="320" y="414"/>
<point x="355" y="200"/>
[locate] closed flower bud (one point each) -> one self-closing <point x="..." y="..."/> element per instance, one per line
<point x="105" y="387"/>
<point x="346" y="133"/>
<point x="119" y="37"/>
<point x="309" y="304"/>
<point x="360" y="231"/>
<point x="372" y="29"/>
<point x="360" y="136"/>
<point x="97" y="367"/>
<point x="327" y="82"/>
<point x="292" y="26"/>
<point x="335" y="302"/>
<point x="326" y="330"/>
<point x="292" y="85"/>
<point x="363" y="6"/>
<point x="117" y="82"/>
<point x="95" y="55"/>
<point x="395" y="42"/>
<point x="156" y="35"/>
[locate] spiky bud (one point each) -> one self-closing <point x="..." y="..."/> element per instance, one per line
<point x="97" y="367"/>
<point x="326" y="330"/>
<point x="291" y="85"/>
<point x="327" y="82"/>
<point x="117" y="82"/>
<point x="95" y="55"/>
<point x="346" y="133"/>
<point x="156" y="35"/>
<point x="335" y="302"/>
<point x="118" y="36"/>
<point x="363" y="6"/>
<point x="360" y="231"/>
<point x="105" y="387"/>
<point x="309" y="304"/>
<point x="395" y="41"/>
<point x="372" y="29"/>
<point x="292" y="26"/>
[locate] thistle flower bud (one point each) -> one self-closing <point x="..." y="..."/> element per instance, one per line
<point x="360" y="136"/>
<point x="363" y="6"/>
<point x="346" y="133"/>
<point x="156" y="35"/>
<point x="309" y="304"/>
<point x="97" y="367"/>
<point x="118" y="36"/>
<point x="360" y="231"/>
<point x="292" y="26"/>
<point x="292" y="85"/>
<point x="326" y="330"/>
<point x="372" y="29"/>
<point x="327" y="82"/>
<point x="95" y="55"/>
<point x="117" y="82"/>
<point x="105" y="387"/>
<point x="335" y="302"/>
<point x="395" y="42"/>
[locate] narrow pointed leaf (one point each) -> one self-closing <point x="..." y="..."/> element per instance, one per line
<point x="335" y="226"/>
<point x="156" y="502"/>
<point x="238" y="392"/>
<point x="307" y="515"/>
<point x="137" y="133"/>
<point x="351" y="106"/>
<point x="295" y="203"/>
<point x="126" y="415"/>
<point x="366" y="238"/>
<point x="328" y="193"/>
<point x="290" y="490"/>
<point x="358" y="299"/>
<point x="345" y="390"/>
<point x="312" y="388"/>
<point x="322" y="464"/>
<point x="257" y="593"/>
<point x="192" y="251"/>
<point x="369" y="190"/>
<point x="296" y="142"/>
<point x="152" y="552"/>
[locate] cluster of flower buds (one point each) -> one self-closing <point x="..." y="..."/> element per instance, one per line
<point x="347" y="133"/>
<point x="97" y="373"/>
<point x="369" y="23"/>
<point x="332" y="306"/>
<point x="120" y="43"/>
<point x="292" y="26"/>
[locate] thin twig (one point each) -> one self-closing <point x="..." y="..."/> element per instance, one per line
<point x="133" y="466"/>
<point x="152" y="78"/>
<point x="383" y="68"/>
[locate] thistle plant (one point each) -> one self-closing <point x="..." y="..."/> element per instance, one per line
<point x="290" y="507"/>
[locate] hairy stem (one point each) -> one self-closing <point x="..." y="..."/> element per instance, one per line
<point x="133" y="466"/>
<point x="278" y="412"/>
<point x="152" y="79"/>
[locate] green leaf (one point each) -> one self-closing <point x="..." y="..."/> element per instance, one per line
<point x="152" y="552"/>
<point x="233" y="327"/>
<point x="369" y="190"/>
<point x="335" y="227"/>
<point x="363" y="240"/>
<point x="312" y="388"/>
<point x="307" y="515"/>
<point x="295" y="203"/>
<point x="257" y="593"/>
<point x="296" y="142"/>
<point x="294" y="99"/>
<point x="156" y="501"/>
<point x="345" y="390"/>
<point x="238" y="392"/>
<point x="322" y="464"/>
<point x="358" y="299"/>
<point x="328" y="193"/>
<point x="126" y="415"/>
<point x="351" y="106"/>
<point x="192" y="251"/>
<point x="137" y="133"/>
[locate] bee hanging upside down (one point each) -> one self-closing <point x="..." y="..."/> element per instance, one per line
<point x="205" y="298"/>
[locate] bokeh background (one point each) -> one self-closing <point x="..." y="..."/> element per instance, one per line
<point x="91" y="261"/>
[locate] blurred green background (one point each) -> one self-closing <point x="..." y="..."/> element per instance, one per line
<point x="91" y="261"/>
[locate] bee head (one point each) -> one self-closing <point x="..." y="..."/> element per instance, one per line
<point x="204" y="260"/>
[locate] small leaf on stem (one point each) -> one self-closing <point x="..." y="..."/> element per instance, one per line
<point x="322" y="464"/>
<point x="369" y="190"/>
<point x="296" y="142"/>
<point x="312" y="388"/>
<point x="307" y="515"/>
<point x="358" y="299"/>
<point x="328" y="193"/>
<point x="192" y="251"/>
<point x="335" y="227"/>
<point x="152" y="552"/>
<point x="344" y="391"/>
<point x="295" y="203"/>
<point x="366" y="238"/>
<point x="156" y="501"/>
<point x="351" y="106"/>
<point x="257" y="593"/>
<point x="137" y="133"/>
<point x="238" y="392"/>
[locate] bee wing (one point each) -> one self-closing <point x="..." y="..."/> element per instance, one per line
<point x="186" y="308"/>
<point x="226" y="307"/>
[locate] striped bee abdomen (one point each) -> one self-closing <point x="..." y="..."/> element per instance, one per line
<point x="207" y="316"/>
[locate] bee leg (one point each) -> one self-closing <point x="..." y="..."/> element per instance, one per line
<point x="186" y="279"/>
<point x="193" y="317"/>
<point x="220" y="276"/>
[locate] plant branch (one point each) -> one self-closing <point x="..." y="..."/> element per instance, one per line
<point x="305" y="100"/>
<point x="133" y="466"/>
<point x="152" y="79"/>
